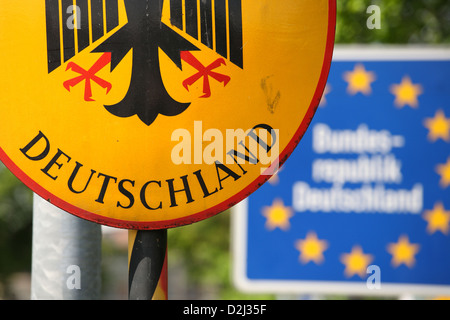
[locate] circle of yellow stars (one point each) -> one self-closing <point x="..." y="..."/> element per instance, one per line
<point x="311" y="248"/>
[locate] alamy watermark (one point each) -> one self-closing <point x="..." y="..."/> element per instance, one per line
<point x="374" y="20"/>
<point x="373" y="281"/>
<point x="73" y="281"/>
<point x="74" y="20"/>
<point x="258" y="145"/>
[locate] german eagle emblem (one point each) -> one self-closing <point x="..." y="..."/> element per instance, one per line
<point x="98" y="30"/>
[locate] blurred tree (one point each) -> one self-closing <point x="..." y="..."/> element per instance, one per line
<point x="15" y="229"/>
<point x="402" y="21"/>
<point x="204" y="250"/>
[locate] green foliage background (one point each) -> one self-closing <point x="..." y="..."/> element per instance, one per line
<point x="203" y="249"/>
<point x="402" y="22"/>
<point x="15" y="229"/>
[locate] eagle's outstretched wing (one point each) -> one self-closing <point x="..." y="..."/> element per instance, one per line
<point x="80" y="25"/>
<point x="195" y="19"/>
<point x="198" y="16"/>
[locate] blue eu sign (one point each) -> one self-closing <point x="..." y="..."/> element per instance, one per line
<point x="363" y="204"/>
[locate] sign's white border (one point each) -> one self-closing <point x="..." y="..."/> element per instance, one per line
<point x="240" y="211"/>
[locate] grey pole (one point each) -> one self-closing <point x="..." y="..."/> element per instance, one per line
<point x="147" y="265"/>
<point x="66" y="255"/>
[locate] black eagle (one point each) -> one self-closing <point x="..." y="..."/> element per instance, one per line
<point x="145" y="33"/>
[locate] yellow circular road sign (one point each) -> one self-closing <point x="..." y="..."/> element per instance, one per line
<point x="155" y="114"/>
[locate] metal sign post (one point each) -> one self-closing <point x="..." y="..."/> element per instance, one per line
<point x="66" y="255"/>
<point x="147" y="265"/>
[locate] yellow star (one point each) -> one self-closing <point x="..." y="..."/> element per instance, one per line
<point x="403" y="252"/>
<point x="359" y="80"/>
<point x="356" y="262"/>
<point x="311" y="248"/>
<point x="444" y="171"/>
<point x="277" y="215"/>
<point x="438" y="219"/>
<point x="275" y="178"/>
<point x="406" y="93"/>
<point x="323" y="100"/>
<point x="439" y="127"/>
